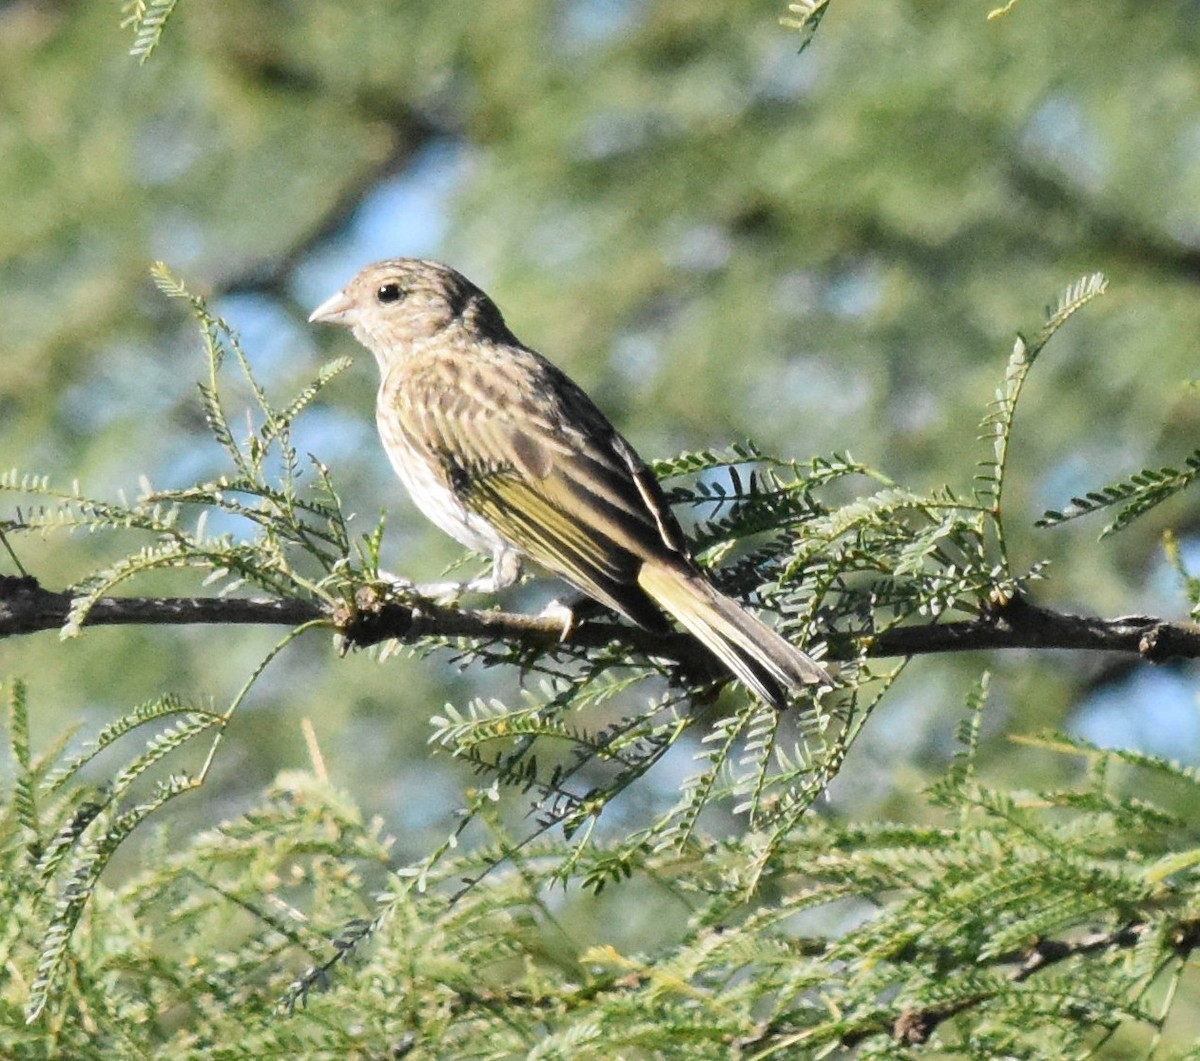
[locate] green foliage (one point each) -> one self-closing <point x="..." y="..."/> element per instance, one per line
<point x="298" y="530"/>
<point x="148" y="20"/>
<point x="1027" y="924"/>
<point x="805" y="17"/>
<point x="1137" y="495"/>
<point x="999" y="423"/>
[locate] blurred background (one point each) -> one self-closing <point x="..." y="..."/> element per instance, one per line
<point x="718" y="237"/>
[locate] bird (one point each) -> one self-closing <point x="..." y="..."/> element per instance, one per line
<point x="501" y="450"/>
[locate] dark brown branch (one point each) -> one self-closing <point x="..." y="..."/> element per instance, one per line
<point x="25" y="608"/>
<point x="914" y="1027"/>
<point x="1019" y="624"/>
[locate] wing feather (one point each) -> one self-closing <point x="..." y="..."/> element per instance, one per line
<point x="527" y="450"/>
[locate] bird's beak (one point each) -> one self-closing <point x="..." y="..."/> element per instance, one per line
<point x="334" y="310"/>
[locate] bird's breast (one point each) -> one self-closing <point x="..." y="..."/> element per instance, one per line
<point x="430" y="485"/>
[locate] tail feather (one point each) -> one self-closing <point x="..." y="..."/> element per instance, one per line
<point x="758" y="655"/>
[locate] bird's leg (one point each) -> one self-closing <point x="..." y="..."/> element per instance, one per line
<point x="398" y="583"/>
<point x="506" y="569"/>
<point x="569" y="608"/>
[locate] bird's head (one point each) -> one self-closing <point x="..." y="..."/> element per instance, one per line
<point x="396" y="305"/>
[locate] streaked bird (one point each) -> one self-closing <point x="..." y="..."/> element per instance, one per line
<point x="502" y="451"/>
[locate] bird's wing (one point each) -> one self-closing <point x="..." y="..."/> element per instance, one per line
<point x="534" y="457"/>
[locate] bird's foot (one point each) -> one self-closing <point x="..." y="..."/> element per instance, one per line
<point x="561" y="612"/>
<point x="445" y="591"/>
<point x="569" y="609"/>
<point x="506" y="570"/>
<point x="398" y="583"/>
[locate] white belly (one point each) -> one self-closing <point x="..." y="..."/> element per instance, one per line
<point x="441" y="507"/>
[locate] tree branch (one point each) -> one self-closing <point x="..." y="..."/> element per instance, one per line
<point x="26" y="608"/>
<point x="914" y="1027"/>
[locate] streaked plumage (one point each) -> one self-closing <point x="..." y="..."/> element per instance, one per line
<point x="501" y="450"/>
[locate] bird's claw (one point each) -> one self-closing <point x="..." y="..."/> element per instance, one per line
<point x="398" y="583"/>
<point x="443" y="593"/>
<point x="564" y="611"/>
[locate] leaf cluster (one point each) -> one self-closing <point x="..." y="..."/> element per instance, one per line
<point x="1015" y="924"/>
<point x="299" y="545"/>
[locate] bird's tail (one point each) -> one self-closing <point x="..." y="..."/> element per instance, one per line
<point x="765" y="661"/>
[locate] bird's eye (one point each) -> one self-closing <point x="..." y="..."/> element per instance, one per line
<point x="389" y="293"/>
